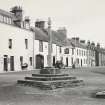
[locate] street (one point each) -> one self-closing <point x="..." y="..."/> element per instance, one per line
<point x="13" y="94"/>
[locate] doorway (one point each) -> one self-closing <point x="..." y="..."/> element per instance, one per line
<point x="12" y="63"/>
<point x="5" y="62"/>
<point x="39" y="61"/>
<point x="53" y="60"/>
<point x="81" y="62"/>
<point x="67" y="61"/>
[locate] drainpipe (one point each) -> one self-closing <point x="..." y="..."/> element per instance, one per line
<point x="33" y="51"/>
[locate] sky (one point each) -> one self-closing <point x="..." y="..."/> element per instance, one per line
<point x="82" y="18"/>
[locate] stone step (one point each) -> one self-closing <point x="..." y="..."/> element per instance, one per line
<point x="51" y="84"/>
<point x="50" y="78"/>
<point x="49" y="75"/>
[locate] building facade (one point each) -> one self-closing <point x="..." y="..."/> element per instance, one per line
<point x="41" y="45"/>
<point x="23" y="47"/>
<point x="91" y="60"/>
<point x="16" y="43"/>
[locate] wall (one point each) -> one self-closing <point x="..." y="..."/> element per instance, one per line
<point x="18" y="37"/>
<point x="81" y="57"/>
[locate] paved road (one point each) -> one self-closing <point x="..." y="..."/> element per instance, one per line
<point x="13" y="94"/>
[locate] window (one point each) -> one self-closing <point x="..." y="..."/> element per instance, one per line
<point x="72" y="51"/>
<point x="9" y="20"/>
<point x="21" y="61"/>
<point x="84" y="61"/>
<point x="77" y="60"/>
<point x="1" y="18"/>
<point x="80" y="52"/>
<point x="30" y="61"/>
<point x="72" y="61"/>
<point x="26" y="43"/>
<point x="4" y="19"/>
<point x="84" y="53"/>
<point x="41" y="46"/>
<point x="10" y="43"/>
<point x="60" y="49"/>
<point x="66" y="50"/>
<point x="77" y="51"/>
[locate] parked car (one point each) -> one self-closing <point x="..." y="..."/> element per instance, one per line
<point x="58" y="64"/>
<point x="100" y="94"/>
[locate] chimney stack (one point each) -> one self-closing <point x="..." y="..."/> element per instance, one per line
<point x="88" y="43"/>
<point x="18" y="15"/>
<point x="40" y="24"/>
<point x="98" y="45"/>
<point x="93" y="44"/>
<point x="77" y="39"/>
<point x="82" y="41"/>
<point x="26" y="23"/>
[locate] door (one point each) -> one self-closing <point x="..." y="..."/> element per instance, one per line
<point x="53" y="60"/>
<point x="12" y="63"/>
<point x="5" y="62"/>
<point x="81" y="62"/>
<point x="39" y="61"/>
<point x="21" y="61"/>
<point x="67" y="61"/>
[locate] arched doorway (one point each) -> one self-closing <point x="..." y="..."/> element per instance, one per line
<point x="39" y="61"/>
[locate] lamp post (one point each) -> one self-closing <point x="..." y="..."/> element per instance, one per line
<point x="49" y="44"/>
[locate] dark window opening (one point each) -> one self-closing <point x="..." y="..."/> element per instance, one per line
<point x="21" y="60"/>
<point x="60" y="49"/>
<point x="10" y="44"/>
<point x="41" y="46"/>
<point x="31" y="61"/>
<point x="72" y="61"/>
<point x="72" y="51"/>
<point x="66" y="51"/>
<point x="26" y="43"/>
<point x="77" y="60"/>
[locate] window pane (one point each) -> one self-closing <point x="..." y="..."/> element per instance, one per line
<point x="26" y="43"/>
<point x="10" y="43"/>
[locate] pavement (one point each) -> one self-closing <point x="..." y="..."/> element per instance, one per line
<point x="13" y="94"/>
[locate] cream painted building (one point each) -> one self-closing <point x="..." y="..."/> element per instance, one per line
<point x="41" y="46"/>
<point x="16" y="44"/>
<point x="77" y="53"/>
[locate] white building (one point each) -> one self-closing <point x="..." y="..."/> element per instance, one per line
<point x="16" y="43"/>
<point x="77" y="52"/>
<point x="22" y="47"/>
<point x="41" y="46"/>
<point x="67" y="54"/>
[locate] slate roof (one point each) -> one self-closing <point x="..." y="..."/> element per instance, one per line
<point x="43" y="35"/>
<point x="5" y="13"/>
<point x="77" y="44"/>
<point x="40" y="35"/>
<point x="101" y="50"/>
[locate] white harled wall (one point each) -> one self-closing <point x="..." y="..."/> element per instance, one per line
<point x="18" y="37"/>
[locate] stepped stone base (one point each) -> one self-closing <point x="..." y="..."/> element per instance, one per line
<point x="49" y="85"/>
<point x="50" y="80"/>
